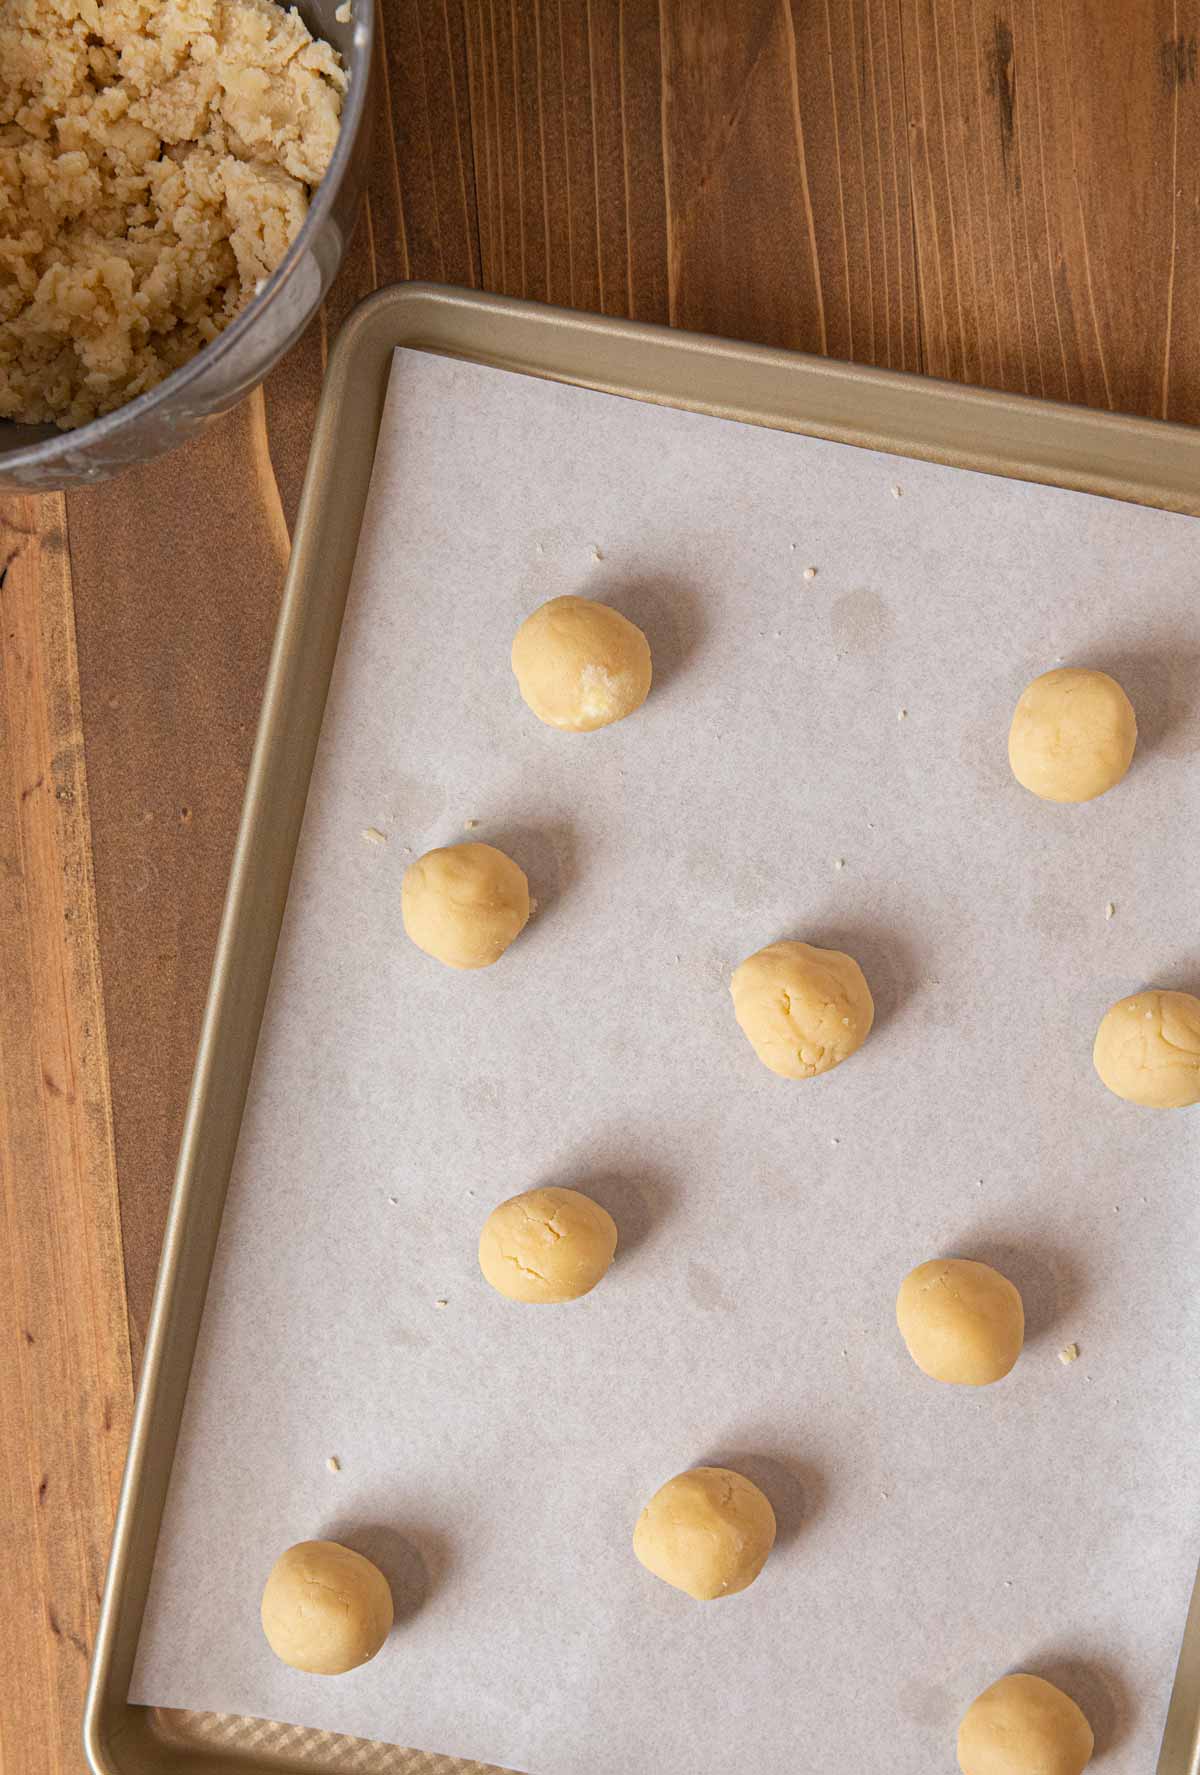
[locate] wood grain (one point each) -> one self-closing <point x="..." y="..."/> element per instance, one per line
<point x="1003" y="193"/>
<point x="1055" y="198"/>
<point x="65" y="1373"/>
<point x="1000" y="194"/>
<point x="174" y="636"/>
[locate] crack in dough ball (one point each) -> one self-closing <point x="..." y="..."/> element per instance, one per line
<point x="325" y="1609"/>
<point x="804" y="1010"/>
<point x="963" y="1322"/>
<point x="1023" y="1725"/>
<point x="707" y="1531"/>
<point x="581" y="665"/>
<point x="1072" y="736"/>
<point x="547" y="1245"/>
<point x="1148" y="1049"/>
<point x="464" y="904"/>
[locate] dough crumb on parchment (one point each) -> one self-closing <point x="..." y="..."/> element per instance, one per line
<point x="1068" y="1353"/>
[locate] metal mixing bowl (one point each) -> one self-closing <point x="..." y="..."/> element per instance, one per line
<point x="42" y="459"/>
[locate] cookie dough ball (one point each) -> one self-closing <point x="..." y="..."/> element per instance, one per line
<point x="581" y="665"/>
<point x="465" y="904"/>
<point x="1148" y="1049"/>
<point x="707" y="1531"/>
<point x="1072" y="736"/>
<point x="963" y="1322"/>
<point x="546" y="1246"/>
<point x="1023" y="1725"/>
<point x="804" y="1009"/>
<point x="325" y="1608"/>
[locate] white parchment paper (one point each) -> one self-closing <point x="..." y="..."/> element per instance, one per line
<point x="821" y="757"/>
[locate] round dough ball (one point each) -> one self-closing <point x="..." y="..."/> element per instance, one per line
<point x="581" y="665"/>
<point x="1148" y="1049"/>
<point x="1072" y="736"/>
<point x="1023" y="1725"/>
<point x="707" y="1531"/>
<point x="325" y="1608"/>
<point x="464" y="904"/>
<point x="804" y="1009"/>
<point x="548" y="1245"/>
<point x="963" y="1322"/>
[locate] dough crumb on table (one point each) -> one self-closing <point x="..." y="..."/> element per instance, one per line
<point x="156" y="162"/>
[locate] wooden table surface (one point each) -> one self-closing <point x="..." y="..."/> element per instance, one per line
<point x="1006" y="194"/>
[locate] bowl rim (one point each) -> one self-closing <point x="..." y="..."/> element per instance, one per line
<point x="358" y="63"/>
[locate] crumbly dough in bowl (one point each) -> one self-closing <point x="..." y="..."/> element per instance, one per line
<point x="156" y="162"/>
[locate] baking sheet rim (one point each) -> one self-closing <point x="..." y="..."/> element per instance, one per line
<point x="1147" y="461"/>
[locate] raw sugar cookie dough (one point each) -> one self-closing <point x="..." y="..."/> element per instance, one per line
<point x="1072" y="736"/>
<point x="804" y="1010"/>
<point x="325" y="1608"/>
<point x="1023" y="1725"/>
<point x="707" y="1531"/>
<point x="547" y="1246"/>
<point x="1147" y="1049"/>
<point x="156" y="162"/>
<point x="963" y="1322"/>
<point x="464" y="904"/>
<point x="581" y="665"/>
